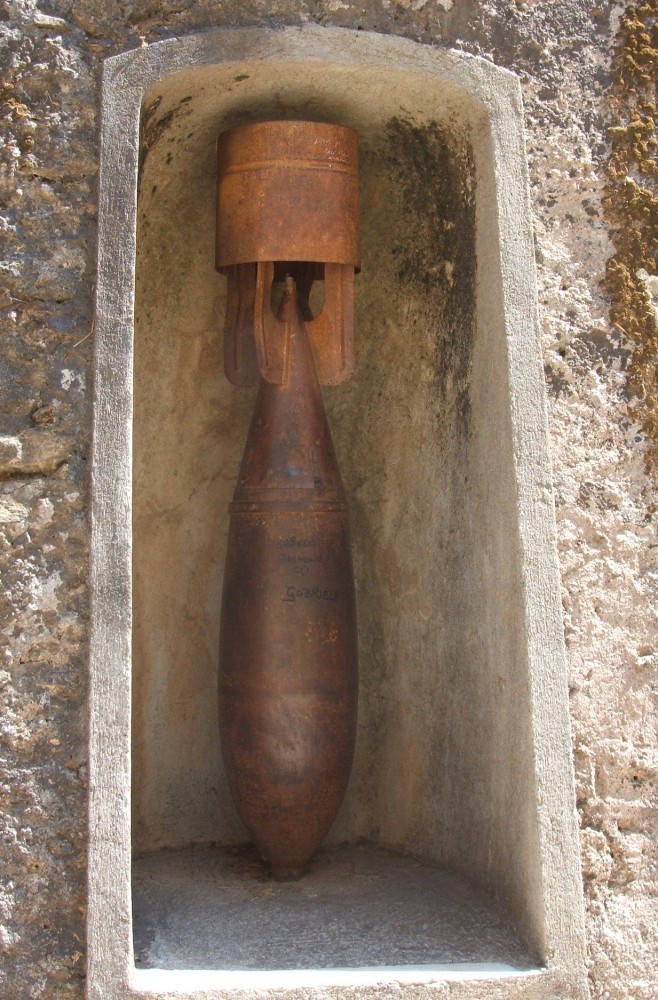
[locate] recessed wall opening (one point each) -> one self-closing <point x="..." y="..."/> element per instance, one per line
<point x="454" y="855"/>
<point x="443" y="766"/>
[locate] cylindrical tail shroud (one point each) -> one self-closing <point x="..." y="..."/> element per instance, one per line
<point x="288" y="649"/>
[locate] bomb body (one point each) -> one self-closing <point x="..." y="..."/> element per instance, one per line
<point x="288" y="652"/>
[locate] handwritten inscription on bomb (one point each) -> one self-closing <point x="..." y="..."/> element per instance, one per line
<point x="300" y="554"/>
<point x="310" y="594"/>
<point x="298" y="543"/>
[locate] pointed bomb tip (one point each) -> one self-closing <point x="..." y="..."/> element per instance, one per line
<point x="290" y="287"/>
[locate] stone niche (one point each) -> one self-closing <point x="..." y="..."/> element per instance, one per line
<point x="453" y="865"/>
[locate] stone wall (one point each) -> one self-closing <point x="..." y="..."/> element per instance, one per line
<point x="573" y="62"/>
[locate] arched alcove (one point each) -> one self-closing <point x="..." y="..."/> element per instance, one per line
<point x="462" y="759"/>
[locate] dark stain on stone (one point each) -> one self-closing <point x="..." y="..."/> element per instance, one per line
<point x="153" y="128"/>
<point x="434" y="173"/>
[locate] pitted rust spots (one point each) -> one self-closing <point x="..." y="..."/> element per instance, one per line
<point x="632" y="206"/>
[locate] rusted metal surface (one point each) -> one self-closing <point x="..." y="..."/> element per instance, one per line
<point x="288" y="649"/>
<point x="287" y="192"/>
<point x="288" y="210"/>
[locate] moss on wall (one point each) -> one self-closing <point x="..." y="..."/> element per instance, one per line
<point x="632" y="206"/>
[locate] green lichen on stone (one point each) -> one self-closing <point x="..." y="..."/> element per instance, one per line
<point x="632" y="206"/>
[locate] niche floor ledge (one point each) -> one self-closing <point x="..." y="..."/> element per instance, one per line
<point x="361" y="913"/>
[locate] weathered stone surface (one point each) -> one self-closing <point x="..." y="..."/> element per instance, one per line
<point x="34" y="452"/>
<point x="606" y="502"/>
<point x="11" y="452"/>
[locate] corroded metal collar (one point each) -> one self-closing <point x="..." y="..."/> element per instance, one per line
<point x="287" y="191"/>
